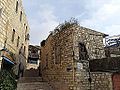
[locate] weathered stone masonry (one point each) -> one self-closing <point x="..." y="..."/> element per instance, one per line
<point x="109" y="70"/>
<point x="14" y="30"/>
<point x="63" y="50"/>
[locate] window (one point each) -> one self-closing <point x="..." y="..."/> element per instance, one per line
<point x="16" y="6"/>
<point x="18" y="41"/>
<point x="21" y="16"/>
<point x="24" y="49"/>
<point x="13" y="35"/>
<point x="83" y="54"/>
<point x="0" y="12"/>
<point x="27" y="37"/>
<point x="26" y="30"/>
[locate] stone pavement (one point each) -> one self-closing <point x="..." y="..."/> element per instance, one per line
<point x="33" y="83"/>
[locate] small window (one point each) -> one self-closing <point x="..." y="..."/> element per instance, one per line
<point x="27" y="37"/>
<point x="26" y="30"/>
<point x="21" y="16"/>
<point x="24" y="49"/>
<point x="16" y="6"/>
<point x="18" y="41"/>
<point x="13" y="35"/>
<point x="1" y="11"/>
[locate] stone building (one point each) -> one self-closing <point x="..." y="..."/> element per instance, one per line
<point x="14" y="34"/>
<point x="32" y="69"/>
<point x="66" y="53"/>
<point x="112" y="47"/>
<point x="33" y="57"/>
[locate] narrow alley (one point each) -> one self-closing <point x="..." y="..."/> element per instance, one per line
<point x="59" y="45"/>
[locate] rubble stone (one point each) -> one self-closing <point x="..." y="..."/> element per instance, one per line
<point x="63" y="49"/>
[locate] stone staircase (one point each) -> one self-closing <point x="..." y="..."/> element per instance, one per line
<point x="31" y="72"/>
<point x="32" y="83"/>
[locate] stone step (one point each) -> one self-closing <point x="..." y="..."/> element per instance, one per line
<point x="31" y="73"/>
<point x="34" y="86"/>
<point x="30" y="79"/>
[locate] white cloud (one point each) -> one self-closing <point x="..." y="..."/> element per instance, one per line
<point x="105" y="17"/>
<point x="113" y="30"/>
<point x="101" y="15"/>
<point x="40" y="28"/>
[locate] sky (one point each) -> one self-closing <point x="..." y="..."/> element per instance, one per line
<point x="44" y="15"/>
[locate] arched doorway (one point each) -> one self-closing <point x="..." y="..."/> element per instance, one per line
<point x="83" y="54"/>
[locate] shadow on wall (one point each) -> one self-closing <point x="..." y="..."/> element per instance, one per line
<point x="105" y="64"/>
<point x="32" y="72"/>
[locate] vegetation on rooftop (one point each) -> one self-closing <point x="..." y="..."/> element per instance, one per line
<point x="67" y="24"/>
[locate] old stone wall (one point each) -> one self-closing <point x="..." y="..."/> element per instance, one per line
<point x="57" y="59"/>
<point x="113" y="51"/>
<point x="10" y="21"/>
<point x="61" y="52"/>
<point x="99" y="81"/>
<point x="92" y="40"/>
<point x="81" y="80"/>
<point x="105" y="64"/>
<point x="87" y="45"/>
